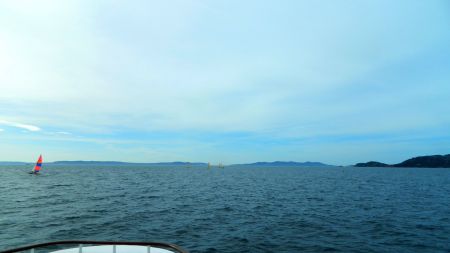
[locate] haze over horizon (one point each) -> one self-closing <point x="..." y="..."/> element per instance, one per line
<point x="337" y="82"/>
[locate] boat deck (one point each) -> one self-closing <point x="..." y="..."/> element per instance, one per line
<point x="114" y="249"/>
<point x="99" y="247"/>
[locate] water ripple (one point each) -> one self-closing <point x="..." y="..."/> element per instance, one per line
<point x="231" y="210"/>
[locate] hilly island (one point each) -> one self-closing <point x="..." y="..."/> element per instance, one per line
<point x="432" y="161"/>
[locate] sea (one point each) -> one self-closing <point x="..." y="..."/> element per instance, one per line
<point x="234" y="209"/>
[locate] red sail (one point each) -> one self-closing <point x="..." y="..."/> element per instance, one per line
<point x="38" y="166"/>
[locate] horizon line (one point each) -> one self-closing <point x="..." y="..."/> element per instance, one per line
<point x="101" y="161"/>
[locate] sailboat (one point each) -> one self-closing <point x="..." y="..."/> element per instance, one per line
<point x="38" y="166"/>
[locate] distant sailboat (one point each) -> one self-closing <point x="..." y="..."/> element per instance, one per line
<point x="38" y="166"/>
<point x="220" y="166"/>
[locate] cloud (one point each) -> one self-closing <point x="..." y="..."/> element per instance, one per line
<point x="20" y="125"/>
<point x="63" y="133"/>
<point x="189" y="71"/>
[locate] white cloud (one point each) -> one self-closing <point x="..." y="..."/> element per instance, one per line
<point x="62" y="132"/>
<point x="20" y="125"/>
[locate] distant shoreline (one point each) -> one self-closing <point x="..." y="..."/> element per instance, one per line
<point x="432" y="161"/>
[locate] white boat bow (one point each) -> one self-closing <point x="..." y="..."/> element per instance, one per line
<point x="99" y="247"/>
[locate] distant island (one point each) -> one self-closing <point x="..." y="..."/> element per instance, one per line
<point x="290" y="163"/>
<point x="125" y="163"/>
<point x="431" y="161"/>
<point x="371" y="164"/>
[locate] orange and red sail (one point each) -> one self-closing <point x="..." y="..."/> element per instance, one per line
<point x="38" y="166"/>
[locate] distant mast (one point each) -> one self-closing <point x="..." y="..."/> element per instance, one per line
<point x="220" y="166"/>
<point x="38" y="165"/>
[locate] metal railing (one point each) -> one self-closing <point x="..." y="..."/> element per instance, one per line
<point x="161" y="245"/>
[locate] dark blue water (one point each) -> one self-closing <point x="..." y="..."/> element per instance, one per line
<point x="231" y="209"/>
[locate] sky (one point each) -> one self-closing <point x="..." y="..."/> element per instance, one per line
<point x="224" y="81"/>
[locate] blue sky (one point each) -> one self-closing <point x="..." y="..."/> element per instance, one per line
<point x="224" y="81"/>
